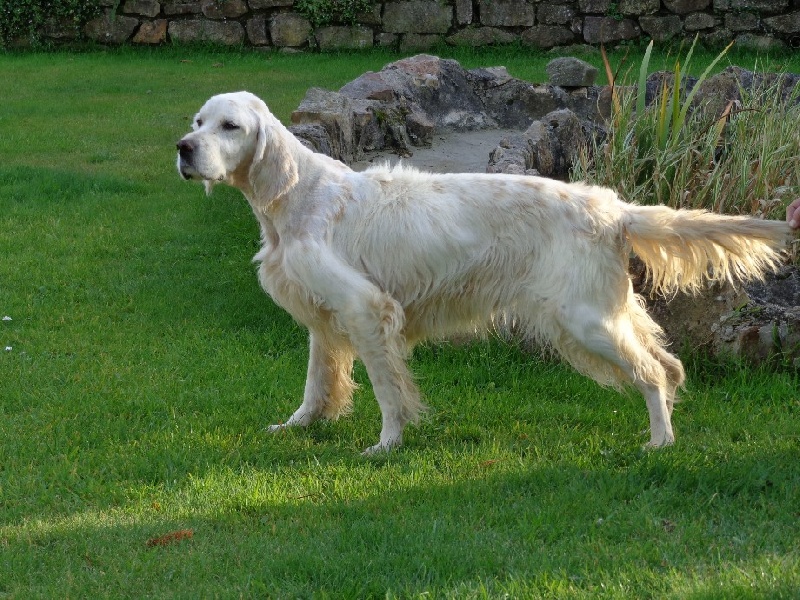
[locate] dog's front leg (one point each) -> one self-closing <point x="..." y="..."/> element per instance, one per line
<point x="373" y="322"/>
<point x="329" y="384"/>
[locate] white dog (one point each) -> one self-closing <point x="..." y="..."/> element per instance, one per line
<point x="374" y="262"/>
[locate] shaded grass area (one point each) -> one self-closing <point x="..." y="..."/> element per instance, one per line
<point x="145" y="364"/>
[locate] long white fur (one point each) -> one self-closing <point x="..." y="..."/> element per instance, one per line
<point x="375" y="262"/>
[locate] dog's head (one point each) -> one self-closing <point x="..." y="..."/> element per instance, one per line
<point x="230" y="136"/>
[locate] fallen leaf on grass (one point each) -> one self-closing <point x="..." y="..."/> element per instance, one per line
<point x="170" y="538"/>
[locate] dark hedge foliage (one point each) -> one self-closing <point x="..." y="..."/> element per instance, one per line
<point x="33" y="22"/>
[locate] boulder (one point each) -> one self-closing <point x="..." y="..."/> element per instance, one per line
<point x="548" y="147"/>
<point x="417" y="16"/>
<point x="686" y="6"/>
<point x="110" y="28"/>
<point x="256" y="28"/>
<point x="507" y="13"/>
<point x="333" y="111"/>
<point x="289" y="30"/>
<point x="662" y="29"/>
<point x="602" y="30"/>
<point x="557" y="14"/>
<point x="230" y="9"/>
<point x="338" y="37"/>
<point x="226" y="33"/>
<point x="637" y="8"/>
<point x="182" y="8"/>
<point x="570" y="72"/>
<point x="481" y="36"/>
<point x="143" y="8"/>
<point x="151" y="32"/>
<point x="547" y="36"/>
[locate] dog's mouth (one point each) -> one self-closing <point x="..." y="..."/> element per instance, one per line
<point x="186" y="169"/>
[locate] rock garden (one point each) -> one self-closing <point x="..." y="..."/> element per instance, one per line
<point x="434" y="114"/>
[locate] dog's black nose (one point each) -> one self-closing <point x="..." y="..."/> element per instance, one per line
<point x="185" y="148"/>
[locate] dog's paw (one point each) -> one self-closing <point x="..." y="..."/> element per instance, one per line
<point x="657" y="444"/>
<point x="276" y="428"/>
<point x="382" y="447"/>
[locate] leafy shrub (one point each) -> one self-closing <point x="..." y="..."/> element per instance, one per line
<point x="325" y="12"/>
<point x="31" y="19"/>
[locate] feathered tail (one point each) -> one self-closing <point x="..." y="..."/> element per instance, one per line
<point x="682" y="248"/>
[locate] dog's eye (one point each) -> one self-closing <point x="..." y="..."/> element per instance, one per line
<point x="199" y="122"/>
<point x="229" y="126"/>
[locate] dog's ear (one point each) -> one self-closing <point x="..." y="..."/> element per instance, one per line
<point x="273" y="170"/>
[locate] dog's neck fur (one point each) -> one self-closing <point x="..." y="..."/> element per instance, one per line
<point x="270" y="204"/>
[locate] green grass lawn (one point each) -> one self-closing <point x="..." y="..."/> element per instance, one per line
<point x="142" y="364"/>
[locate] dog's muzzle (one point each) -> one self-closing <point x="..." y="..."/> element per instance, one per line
<point x="185" y="158"/>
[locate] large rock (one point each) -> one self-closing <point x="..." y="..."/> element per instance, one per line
<point x="785" y="23"/>
<point x="343" y="38"/>
<point x="289" y="30"/>
<point x="662" y="29"/>
<point x="595" y="6"/>
<point x="548" y="147"/>
<point x="555" y="14"/>
<point x="700" y="21"/>
<point x="334" y="112"/>
<point x="420" y="42"/>
<point x="463" y="12"/>
<point x="256" y="28"/>
<point x="761" y="6"/>
<point x="717" y="91"/>
<point x="686" y="6"/>
<point x="755" y="321"/>
<point x="144" y="8"/>
<point x="226" y="33"/>
<point x="602" y="30"/>
<point x="760" y="43"/>
<point x="638" y="8"/>
<point x="417" y="16"/>
<point x="429" y="85"/>
<point x="742" y="21"/>
<point x="182" y="8"/>
<point x="507" y="13"/>
<point x="151" y="32"/>
<point x="481" y="36"/>
<point x="230" y="9"/>
<point x="547" y="36"/>
<point x="570" y="72"/>
<point x="110" y="28"/>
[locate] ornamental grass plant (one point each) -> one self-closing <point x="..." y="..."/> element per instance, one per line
<point x="742" y="159"/>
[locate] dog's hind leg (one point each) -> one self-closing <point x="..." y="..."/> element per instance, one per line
<point x="625" y="346"/>
<point x="652" y="337"/>
<point x="329" y="383"/>
<point x="675" y="374"/>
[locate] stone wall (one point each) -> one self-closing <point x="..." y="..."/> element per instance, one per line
<point x="421" y="24"/>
